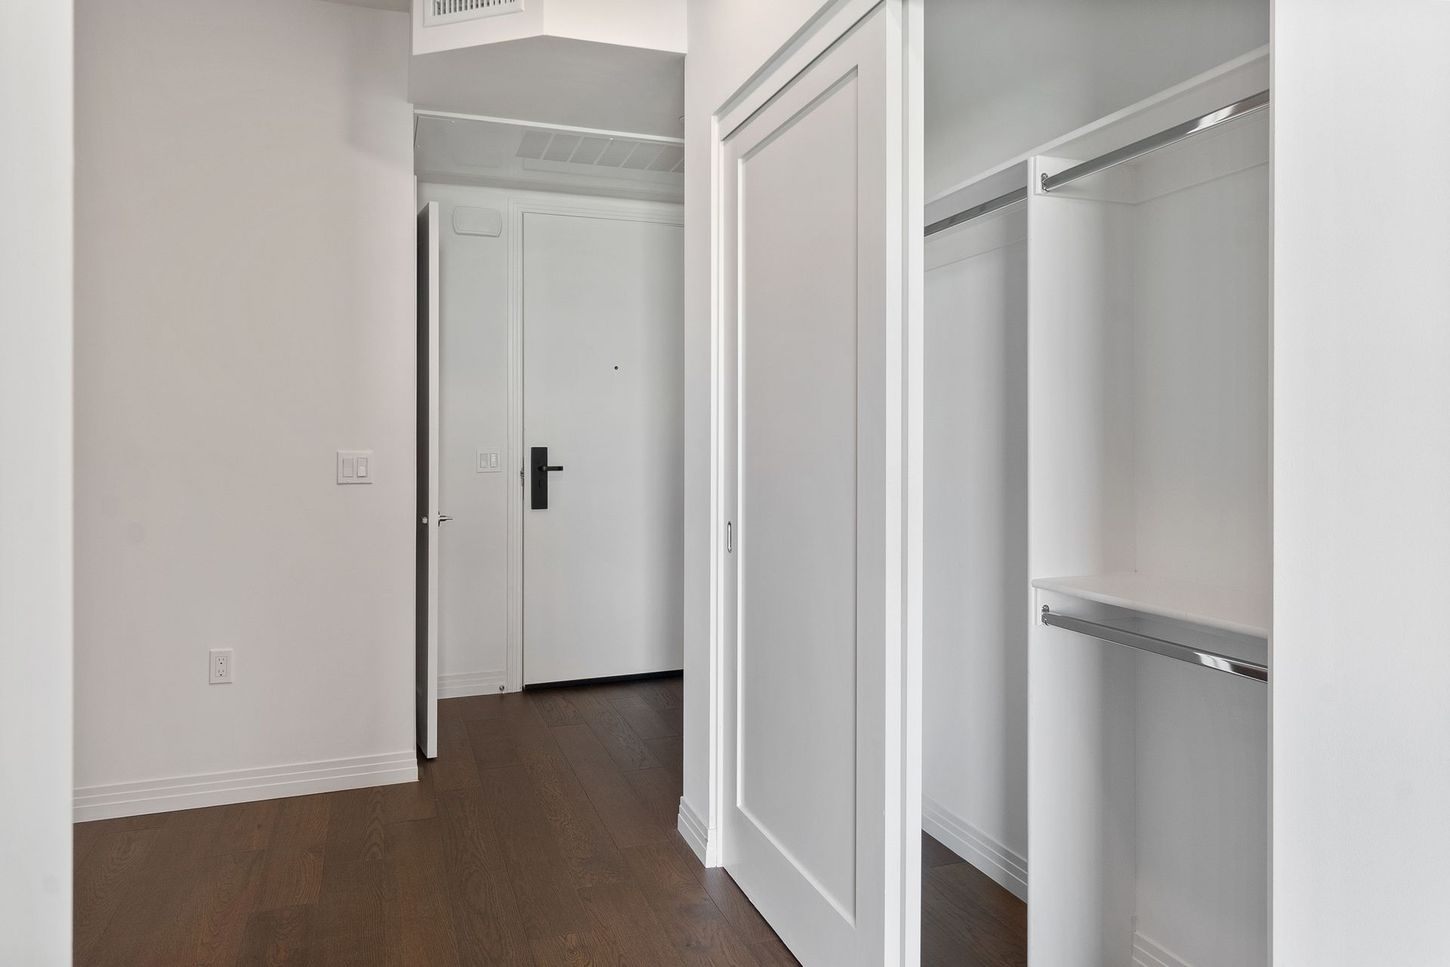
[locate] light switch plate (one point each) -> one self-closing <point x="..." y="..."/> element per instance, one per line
<point x="489" y="461"/>
<point x="355" y="467"/>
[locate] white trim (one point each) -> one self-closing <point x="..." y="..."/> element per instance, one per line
<point x="463" y="684"/>
<point x="544" y="126"/>
<point x="697" y="835"/>
<point x="243" y="785"/>
<point x="578" y="206"/>
<point x="1148" y="953"/>
<point x="816" y="36"/>
<point x="1002" y="863"/>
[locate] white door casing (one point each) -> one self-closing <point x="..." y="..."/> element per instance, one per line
<point x="602" y="299"/>
<point x="818" y="373"/>
<point x="429" y="518"/>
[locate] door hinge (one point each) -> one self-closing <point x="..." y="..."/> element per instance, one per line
<point x="729" y="537"/>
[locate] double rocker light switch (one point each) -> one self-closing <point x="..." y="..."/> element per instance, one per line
<point x="354" y="466"/>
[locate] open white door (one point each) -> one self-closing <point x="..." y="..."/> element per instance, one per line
<point x="429" y="518"/>
<point x="820" y="362"/>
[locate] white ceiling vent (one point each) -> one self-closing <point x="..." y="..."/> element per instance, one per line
<point x="454" y="11"/>
<point x="601" y="151"/>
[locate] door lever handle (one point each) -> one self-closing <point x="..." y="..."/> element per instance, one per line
<point x="545" y="469"/>
<point x="443" y="519"/>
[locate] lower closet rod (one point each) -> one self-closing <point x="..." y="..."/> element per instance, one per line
<point x="1158" y="646"/>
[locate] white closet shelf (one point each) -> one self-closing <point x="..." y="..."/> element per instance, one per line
<point x="1234" y="610"/>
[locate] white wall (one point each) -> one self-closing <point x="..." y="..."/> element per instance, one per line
<point x="245" y="307"/>
<point x="975" y="579"/>
<point x="1361" y="735"/>
<point x="473" y="559"/>
<point x="1003" y="76"/>
<point x="35" y="483"/>
<point x="729" y="40"/>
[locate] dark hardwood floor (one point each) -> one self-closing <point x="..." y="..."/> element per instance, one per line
<point x="544" y="833"/>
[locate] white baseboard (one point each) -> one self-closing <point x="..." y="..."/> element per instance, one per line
<point x="463" y="684"/>
<point x="243" y="785"/>
<point x="694" y="831"/>
<point x="1147" y="953"/>
<point x="1002" y="864"/>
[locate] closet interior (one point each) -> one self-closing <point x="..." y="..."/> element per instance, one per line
<point x="1099" y="323"/>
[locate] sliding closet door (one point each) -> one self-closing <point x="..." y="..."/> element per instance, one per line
<point x="821" y="778"/>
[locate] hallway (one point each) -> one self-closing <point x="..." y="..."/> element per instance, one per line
<point x="544" y="833"/>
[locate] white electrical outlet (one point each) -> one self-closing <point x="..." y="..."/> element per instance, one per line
<point x="220" y="665"/>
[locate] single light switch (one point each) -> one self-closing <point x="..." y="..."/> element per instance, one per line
<point x="354" y="466"/>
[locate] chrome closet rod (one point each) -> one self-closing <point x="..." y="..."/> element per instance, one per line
<point x="977" y="211"/>
<point x="1158" y="646"/>
<point x="1231" y="112"/>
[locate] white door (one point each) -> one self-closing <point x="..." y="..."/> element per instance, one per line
<point x="429" y="518"/>
<point x="603" y="531"/>
<point x="820" y="719"/>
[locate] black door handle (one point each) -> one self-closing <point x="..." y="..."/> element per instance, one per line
<point x="539" y="487"/>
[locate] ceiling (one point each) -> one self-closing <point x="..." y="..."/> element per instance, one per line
<point x="556" y="80"/>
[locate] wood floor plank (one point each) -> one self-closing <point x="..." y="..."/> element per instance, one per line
<point x="555" y="709"/>
<point x="632" y="819"/>
<point x="625" y="918"/>
<point x="587" y="949"/>
<point x="455" y="767"/>
<point x="624" y="745"/>
<point x="648" y="723"/>
<point x="486" y="916"/>
<point x="282" y="937"/>
<point x="358" y="918"/>
<point x="583" y="840"/>
<point x="355" y="829"/>
<point x="103" y="875"/>
<point x="696" y="927"/>
<point x="415" y="857"/>
<point x="777" y="954"/>
<point x="542" y="880"/>
<point x="933" y="853"/>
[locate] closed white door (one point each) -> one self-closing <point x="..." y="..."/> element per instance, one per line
<point x="821" y="817"/>
<point x="429" y="519"/>
<point x="603" y="540"/>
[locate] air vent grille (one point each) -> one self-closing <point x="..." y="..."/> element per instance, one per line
<point x="601" y="151"/>
<point x="453" y="11"/>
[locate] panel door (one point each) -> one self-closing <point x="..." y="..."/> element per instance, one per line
<point x="820" y="776"/>
<point x="603" y="529"/>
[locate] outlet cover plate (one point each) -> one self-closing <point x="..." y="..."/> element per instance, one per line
<point x="221" y="666"/>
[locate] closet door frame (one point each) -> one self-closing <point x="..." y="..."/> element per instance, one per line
<point x="900" y="687"/>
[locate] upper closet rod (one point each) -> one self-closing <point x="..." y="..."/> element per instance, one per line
<point x="1162" y="139"/>
<point x="1158" y="646"/>
<point x="977" y="211"/>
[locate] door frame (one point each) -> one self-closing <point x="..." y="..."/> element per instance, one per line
<point x="520" y="206"/>
<point x="905" y="413"/>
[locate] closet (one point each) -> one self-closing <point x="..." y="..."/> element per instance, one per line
<point x="1102" y="487"/>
